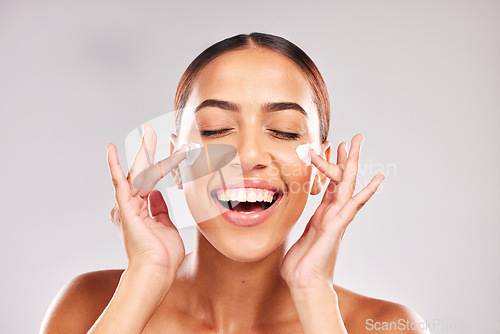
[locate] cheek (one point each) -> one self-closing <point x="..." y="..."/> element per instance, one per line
<point x="293" y="171"/>
<point x="197" y="199"/>
<point x="297" y="177"/>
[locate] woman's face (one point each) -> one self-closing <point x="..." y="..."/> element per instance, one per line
<point x="258" y="101"/>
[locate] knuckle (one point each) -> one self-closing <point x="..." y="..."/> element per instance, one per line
<point x="352" y="186"/>
<point x="359" y="206"/>
<point x="358" y="203"/>
<point x="116" y="183"/>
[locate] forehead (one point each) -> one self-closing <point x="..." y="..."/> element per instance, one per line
<point x="253" y="76"/>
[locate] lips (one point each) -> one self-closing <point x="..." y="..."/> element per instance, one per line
<point x="247" y="202"/>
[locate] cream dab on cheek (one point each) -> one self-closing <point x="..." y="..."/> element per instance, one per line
<point x="304" y="154"/>
<point x="192" y="152"/>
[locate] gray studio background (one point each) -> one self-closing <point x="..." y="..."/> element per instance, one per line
<point x="420" y="80"/>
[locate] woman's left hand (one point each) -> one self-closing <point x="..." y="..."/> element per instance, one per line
<point x="310" y="262"/>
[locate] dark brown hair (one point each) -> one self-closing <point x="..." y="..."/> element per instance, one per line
<point x="271" y="42"/>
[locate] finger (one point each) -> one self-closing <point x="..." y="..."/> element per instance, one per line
<point x="158" y="208"/>
<point x="342" y="154"/>
<point x="115" y="214"/>
<point x="348" y="182"/>
<point x="332" y="171"/>
<point x="147" y="179"/>
<point x="349" y="210"/>
<point x="144" y="157"/>
<point x="330" y="192"/>
<point x="115" y="219"/>
<point x="329" y="195"/>
<point x="122" y="188"/>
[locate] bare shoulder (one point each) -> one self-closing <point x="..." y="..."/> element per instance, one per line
<point x="363" y="314"/>
<point x="80" y="302"/>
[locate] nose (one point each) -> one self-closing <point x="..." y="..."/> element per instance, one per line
<point x="252" y="152"/>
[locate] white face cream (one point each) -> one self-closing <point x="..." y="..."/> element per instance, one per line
<point x="192" y="153"/>
<point x="304" y="153"/>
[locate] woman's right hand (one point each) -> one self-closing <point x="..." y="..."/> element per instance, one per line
<point x="140" y="214"/>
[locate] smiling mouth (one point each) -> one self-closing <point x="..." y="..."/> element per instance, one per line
<point x="247" y="200"/>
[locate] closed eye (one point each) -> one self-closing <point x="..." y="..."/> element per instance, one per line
<point x="276" y="133"/>
<point x="285" y="135"/>
<point x="208" y="133"/>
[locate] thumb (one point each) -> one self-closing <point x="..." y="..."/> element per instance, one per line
<point x="158" y="209"/>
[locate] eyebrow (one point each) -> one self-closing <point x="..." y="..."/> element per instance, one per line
<point x="277" y="106"/>
<point x="268" y="107"/>
<point x="218" y="104"/>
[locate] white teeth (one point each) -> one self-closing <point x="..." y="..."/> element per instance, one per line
<point x="251" y="196"/>
<point x="246" y="195"/>
<point x="242" y="196"/>
<point x="233" y="195"/>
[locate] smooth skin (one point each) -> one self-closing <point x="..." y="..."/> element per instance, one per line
<point x="164" y="291"/>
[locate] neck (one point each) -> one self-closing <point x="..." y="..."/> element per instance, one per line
<point x="234" y="295"/>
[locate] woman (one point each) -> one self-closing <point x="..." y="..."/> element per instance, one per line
<point x="262" y="95"/>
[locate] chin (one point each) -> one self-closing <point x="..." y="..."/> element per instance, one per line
<point x="246" y="249"/>
<point x="246" y="244"/>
